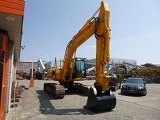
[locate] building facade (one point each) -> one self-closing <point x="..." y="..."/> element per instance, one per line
<point x="11" y="20"/>
<point x="92" y="62"/>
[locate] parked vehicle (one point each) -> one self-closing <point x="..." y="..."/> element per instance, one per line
<point x="134" y="86"/>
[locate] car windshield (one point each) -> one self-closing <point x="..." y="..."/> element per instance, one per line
<point x="134" y="80"/>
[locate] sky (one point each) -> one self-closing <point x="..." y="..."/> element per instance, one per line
<point x="48" y="26"/>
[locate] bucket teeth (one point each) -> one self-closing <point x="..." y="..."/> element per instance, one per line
<point x="100" y="103"/>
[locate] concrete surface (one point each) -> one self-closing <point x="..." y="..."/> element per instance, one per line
<point x="38" y="105"/>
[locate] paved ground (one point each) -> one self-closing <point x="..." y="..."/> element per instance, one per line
<point x="37" y="105"/>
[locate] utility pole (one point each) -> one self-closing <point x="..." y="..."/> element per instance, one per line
<point x="32" y="79"/>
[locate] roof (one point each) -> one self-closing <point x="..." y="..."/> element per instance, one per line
<point x="11" y="17"/>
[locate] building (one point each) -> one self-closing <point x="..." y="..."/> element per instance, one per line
<point x="92" y="62"/>
<point x="121" y="61"/>
<point x="26" y="66"/>
<point x="11" y="22"/>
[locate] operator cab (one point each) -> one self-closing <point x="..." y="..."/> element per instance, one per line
<point x="79" y="68"/>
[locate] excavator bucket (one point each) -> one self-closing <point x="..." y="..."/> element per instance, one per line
<point x="100" y="103"/>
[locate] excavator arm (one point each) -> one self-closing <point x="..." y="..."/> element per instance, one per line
<point x="102" y="34"/>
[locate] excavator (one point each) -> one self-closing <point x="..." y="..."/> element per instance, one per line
<point x="123" y="71"/>
<point x="149" y="74"/>
<point x="100" y="97"/>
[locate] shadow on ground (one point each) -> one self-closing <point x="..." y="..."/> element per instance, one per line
<point x="46" y="107"/>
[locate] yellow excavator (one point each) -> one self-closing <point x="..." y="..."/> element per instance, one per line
<point x="73" y="69"/>
<point x="123" y="71"/>
<point x="149" y="74"/>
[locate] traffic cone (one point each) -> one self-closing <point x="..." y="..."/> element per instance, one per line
<point x="31" y="82"/>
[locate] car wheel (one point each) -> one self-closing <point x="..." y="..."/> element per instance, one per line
<point x="122" y="92"/>
<point x="145" y="93"/>
<point x="115" y="88"/>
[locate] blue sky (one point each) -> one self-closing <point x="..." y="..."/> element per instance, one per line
<point x="51" y="24"/>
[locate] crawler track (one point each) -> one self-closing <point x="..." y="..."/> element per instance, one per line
<point x="58" y="91"/>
